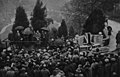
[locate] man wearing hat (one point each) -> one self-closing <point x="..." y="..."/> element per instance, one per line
<point x="114" y="67"/>
<point x="10" y="73"/>
<point x="3" y="72"/>
<point x="45" y="72"/>
<point x="118" y="64"/>
<point x="37" y="72"/>
<point x="23" y="72"/>
<point x="107" y="68"/>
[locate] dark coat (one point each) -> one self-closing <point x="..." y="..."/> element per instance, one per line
<point x="118" y="66"/>
<point x="107" y="70"/>
<point x="45" y="72"/>
<point x="2" y="72"/>
<point x="10" y="74"/>
<point x="37" y="73"/>
<point x="100" y="70"/>
<point x="30" y="72"/>
<point x="114" y="69"/>
<point x="87" y="72"/>
<point x="23" y="75"/>
<point x="94" y="67"/>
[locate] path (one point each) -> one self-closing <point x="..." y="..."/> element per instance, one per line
<point x="4" y="28"/>
<point x="116" y="28"/>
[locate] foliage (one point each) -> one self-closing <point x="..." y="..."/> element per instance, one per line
<point x="39" y="14"/>
<point x="2" y="46"/>
<point x="49" y="21"/>
<point x="71" y="31"/>
<point x="62" y="30"/>
<point x="54" y="33"/>
<point x="74" y="14"/>
<point x="95" y="22"/>
<point x="77" y="11"/>
<point x="21" y="18"/>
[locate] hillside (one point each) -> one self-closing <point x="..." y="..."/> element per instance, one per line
<point x="7" y="9"/>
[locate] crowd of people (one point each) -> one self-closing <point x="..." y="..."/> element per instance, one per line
<point x="67" y="60"/>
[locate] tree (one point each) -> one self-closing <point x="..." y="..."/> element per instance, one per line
<point x="20" y="19"/>
<point x="54" y="32"/>
<point x="109" y="5"/>
<point x="1" y="46"/>
<point x="77" y="11"/>
<point x="39" y="14"/>
<point x="0" y="42"/>
<point x="49" y="21"/>
<point x="62" y="30"/>
<point x="71" y="31"/>
<point x="95" y="22"/>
